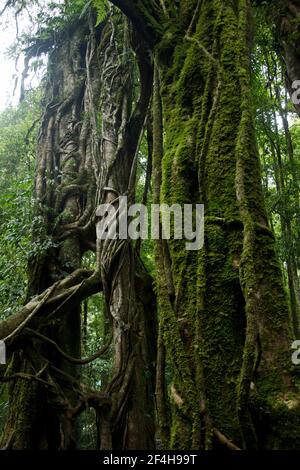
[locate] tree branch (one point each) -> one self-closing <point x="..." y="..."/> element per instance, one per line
<point x="224" y="441"/>
<point x="71" y="359"/>
<point x="80" y="282"/>
<point x="31" y="315"/>
<point x="145" y="17"/>
<point x="23" y="376"/>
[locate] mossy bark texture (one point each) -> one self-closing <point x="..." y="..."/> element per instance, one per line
<point x="224" y="314"/>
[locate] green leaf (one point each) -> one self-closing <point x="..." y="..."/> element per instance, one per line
<point x="101" y="7"/>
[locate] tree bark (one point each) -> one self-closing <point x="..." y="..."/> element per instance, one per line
<point x="224" y="313"/>
<point x="79" y="156"/>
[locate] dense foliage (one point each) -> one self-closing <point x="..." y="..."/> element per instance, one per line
<point x="90" y="131"/>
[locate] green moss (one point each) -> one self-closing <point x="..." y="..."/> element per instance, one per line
<point x="24" y="412"/>
<point x="226" y="325"/>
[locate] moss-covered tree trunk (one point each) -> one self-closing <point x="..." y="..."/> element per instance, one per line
<point x="225" y="321"/>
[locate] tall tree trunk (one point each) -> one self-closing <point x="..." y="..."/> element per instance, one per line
<point x="82" y="160"/>
<point x="224" y="314"/>
<point x="129" y="423"/>
<point x="63" y="181"/>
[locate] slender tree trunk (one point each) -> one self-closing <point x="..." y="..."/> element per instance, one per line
<point x="284" y="13"/>
<point x="280" y="174"/>
<point x="129" y="423"/>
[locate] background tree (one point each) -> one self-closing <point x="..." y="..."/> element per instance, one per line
<point x="17" y="154"/>
<point x="277" y="143"/>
